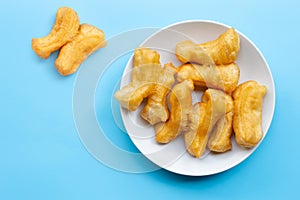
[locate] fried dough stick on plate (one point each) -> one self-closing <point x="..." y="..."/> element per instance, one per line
<point x="223" y="50"/>
<point x="204" y="116"/>
<point x="247" y="120"/>
<point x="180" y="101"/>
<point x="224" y="77"/>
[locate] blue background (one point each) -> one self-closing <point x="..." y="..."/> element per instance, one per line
<point x="41" y="156"/>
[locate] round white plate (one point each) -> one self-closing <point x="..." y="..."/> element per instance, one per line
<point x="173" y="156"/>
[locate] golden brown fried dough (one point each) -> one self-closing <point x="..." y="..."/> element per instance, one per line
<point x="180" y="101"/>
<point x="193" y="136"/>
<point x="143" y="56"/>
<point x="156" y="109"/>
<point x="225" y="49"/>
<point x="215" y="104"/>
<point x="224" y="77"/>
<point x="142" y="85"/>
<point x="219" y="140"/>
<point x="87" y="41"/>
<point x="247" y="120"/>
<point x="187" y="51"/>
<point x="64" y="29"/>
<point x="145" y="79"/>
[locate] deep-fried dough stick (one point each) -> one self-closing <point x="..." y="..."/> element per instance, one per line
<point x="223" y="50"/>
<point x="156" y="86"/>
<point x="143" y="56"/>
<point x="215" y="104"/>
<point x="193" y="140"/>
<point x="247" y="120"/>
<point x="180" y="101"/>
<point x="144" y="82"/>
<point x="224" y="77"/>
<point x="156" y="109"/>
<point x="87" y="41"/>
<point x="220" y="137"/>
<point x="187" y="51"/>
<point x="64" y="29"/>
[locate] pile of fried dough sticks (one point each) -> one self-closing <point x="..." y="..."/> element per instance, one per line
<point x="226" y="108"/>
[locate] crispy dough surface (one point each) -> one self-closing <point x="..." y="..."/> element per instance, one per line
<point x="143" y="84"/>
<point x="247" y="120"/>
<point x="224" y="49"/>
<point x="156" y="109"/>
<point x="64" y="29"/>
<point x="224" y="77"/>
<point x="180" y="101"/>
<point x="149" y="80"/>
<point x="214" y="105"/>
<point x="220" y="139"/>
<point x="187" y="51"/>
<point x="143" y="56"/>
<point x="71" y="55"/>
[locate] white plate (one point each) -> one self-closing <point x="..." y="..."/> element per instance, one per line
<point x="173" y="156"/>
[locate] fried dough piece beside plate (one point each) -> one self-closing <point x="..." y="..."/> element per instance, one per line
<point x="71" y="55"/>
<point x="247" y="120"/>
<point x="64" y="29"/>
